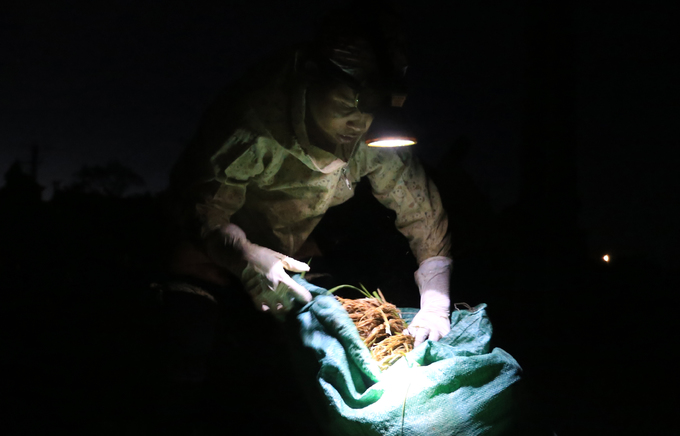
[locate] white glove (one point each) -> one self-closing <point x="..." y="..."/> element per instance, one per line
<point x="432" y="320"/>
<point x="264" y="276"/>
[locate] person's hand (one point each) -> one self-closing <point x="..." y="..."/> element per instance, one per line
<point x="266" y="281"/>
<point x="432" y="320"/>
<point x="265" y="278"/>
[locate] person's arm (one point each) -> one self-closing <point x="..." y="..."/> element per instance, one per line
<point x="208" y="186"/>
<point x="399" y="182"/>
<point x="216" y="196"/>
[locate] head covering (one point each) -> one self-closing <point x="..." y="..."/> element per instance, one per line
<point x="362" y="46"/>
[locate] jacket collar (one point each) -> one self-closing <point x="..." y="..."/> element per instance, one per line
<point x="279" y="109"/>
<point x="312" y="156"/>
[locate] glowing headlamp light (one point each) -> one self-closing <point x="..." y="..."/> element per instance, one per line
<point x="390" y="128"/>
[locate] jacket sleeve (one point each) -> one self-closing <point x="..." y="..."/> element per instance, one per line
<point x="209" y="181"/>
<point x="399" y="182"/>
<point x="235" y="166"/>
<point x="208" y="202"/>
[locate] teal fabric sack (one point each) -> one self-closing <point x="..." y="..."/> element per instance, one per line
<point x="455" y="386"/>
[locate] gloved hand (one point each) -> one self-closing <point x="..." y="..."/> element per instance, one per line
<point x="264" y="276"/>
<point x="432" y="320"/>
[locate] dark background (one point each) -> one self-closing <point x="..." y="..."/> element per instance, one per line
<point x="550" y="131"/>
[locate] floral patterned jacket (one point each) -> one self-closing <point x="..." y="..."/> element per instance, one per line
<point x="251" y="164"/>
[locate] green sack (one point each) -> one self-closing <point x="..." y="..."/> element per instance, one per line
<point x="455" y="386"/>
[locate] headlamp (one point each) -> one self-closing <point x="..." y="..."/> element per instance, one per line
<point x="368" y="55"/>
<point x="390" y="128"/>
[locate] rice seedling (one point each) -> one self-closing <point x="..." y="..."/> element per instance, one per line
<point x="379" y="324"/>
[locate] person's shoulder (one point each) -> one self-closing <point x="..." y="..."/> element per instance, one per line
<point x="253" y="109"/>
<point x="274" y="91"/>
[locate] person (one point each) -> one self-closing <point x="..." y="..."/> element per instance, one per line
<point x="284" y="144"/>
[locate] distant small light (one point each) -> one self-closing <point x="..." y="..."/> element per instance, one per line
<point x="390" y="142"/>
<point x="606" y="258"/>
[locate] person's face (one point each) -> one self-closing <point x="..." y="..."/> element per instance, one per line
<point x="335" y="119"/>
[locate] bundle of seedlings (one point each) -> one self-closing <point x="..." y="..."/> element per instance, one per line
<point x="380" y="326"/>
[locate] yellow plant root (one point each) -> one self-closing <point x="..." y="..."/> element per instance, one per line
<point x="390" y="349"/>
<point x="380" y="326"/>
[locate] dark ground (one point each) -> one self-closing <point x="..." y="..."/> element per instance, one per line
<point x="80" y="323"/>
